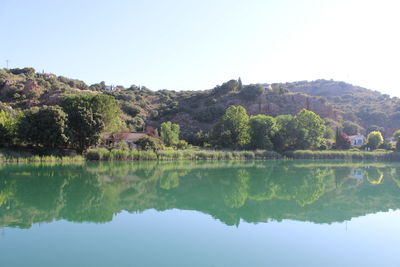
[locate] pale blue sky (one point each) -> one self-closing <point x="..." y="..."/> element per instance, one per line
<point x="178" y="44"/>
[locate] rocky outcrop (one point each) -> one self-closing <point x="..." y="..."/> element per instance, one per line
<point x="32" y="88"/>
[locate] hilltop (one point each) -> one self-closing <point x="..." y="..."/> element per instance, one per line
<point x="341" y="104"/>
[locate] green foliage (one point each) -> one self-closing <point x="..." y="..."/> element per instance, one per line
<point x="209" y="115"/>
<point x="344" y="154"/>
<point x="396" y="137"/>
<point x="89" y="116"/>
<point x="149" y="143"/>
<point x="26" y="71"/>
<point x="131" y="109"/>
<point x="84" y="128"/>
<point x="230" y="86"/>
<point x="279" y="89"/>
<point x="7" y="127"/>
<point x="44" y="126"/>
<point x="351" y="128"/>
<point x="342" y="140"/>
<point x="109" y="109"/>
<point x="252" y="91"/>
<point x="374" y="139"/>
<point x="311" y="128"/>
<point x="104" y="105"/>
<point x="233" y="130"/>
<point x="303" y="131"/>
<point x="182" y="144"/>
<point x="286" y="136"/>
<point x="262" y="130"/>
<point x="170" y="133"/>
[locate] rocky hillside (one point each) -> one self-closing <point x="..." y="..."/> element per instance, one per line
<point x="341" y="104"/>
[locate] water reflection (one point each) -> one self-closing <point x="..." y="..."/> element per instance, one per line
<point x="229" y="191"/>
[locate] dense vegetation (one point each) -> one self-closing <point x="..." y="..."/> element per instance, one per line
<point x="44" y="111"/>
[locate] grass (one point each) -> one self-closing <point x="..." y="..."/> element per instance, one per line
<point x="103" y="154"/>
<point x="7" y="156"/>
<point x="345" y="154"/>
<point x="172" y="155"/>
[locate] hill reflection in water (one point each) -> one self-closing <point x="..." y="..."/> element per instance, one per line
<point x="320" y="192"/>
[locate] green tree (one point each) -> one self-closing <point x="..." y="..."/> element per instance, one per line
<point x="149" y="143"/>
<point x="240" y="84"/>
<point x="104" y="105"/>
<point x="303" y="131"/>
<point x="252" y="91"/>
<point x="229" y="86"/>
<point x="311" y="129"/>
<point x="262" y="130"/>
<point x="7" y="128"/>
<point x="89" y="116"/>
<point x="396" y="137"/>
<point x="351" y="128"/>
<point x="44" y="126"/>
<point x="170" y="133"/>
<point x="110" y="111"/>
<point x="286" y="136"/>
<point x="84" y="128"/>
<point x="374" y="139"/>
<point x="342" y="140"/>
<point x="233" y="130"/>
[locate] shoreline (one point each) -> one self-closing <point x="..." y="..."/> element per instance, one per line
<point x="199" y="155"/>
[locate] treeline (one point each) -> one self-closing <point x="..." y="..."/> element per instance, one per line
<point x="77" y="123"/>
<point x="237" y="130"/>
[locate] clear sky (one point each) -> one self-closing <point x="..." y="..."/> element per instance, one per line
<point x="188" y="44"/>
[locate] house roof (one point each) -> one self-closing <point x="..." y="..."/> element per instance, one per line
<point x="356" y="136"/>
<point x="125" y="136"/>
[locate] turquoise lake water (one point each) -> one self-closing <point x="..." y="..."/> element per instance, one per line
<point x="238" y="213"/>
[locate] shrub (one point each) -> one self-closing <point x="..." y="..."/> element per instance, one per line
<point x="97" y="154"/>
<point x="252" y="91"/>
<point x="149" y="143"/>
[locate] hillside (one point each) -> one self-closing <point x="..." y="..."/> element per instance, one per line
<point x="341" y="104"/>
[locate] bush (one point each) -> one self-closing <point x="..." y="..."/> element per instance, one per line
<point x="97" y="154"/>
<point x="252" y="91"/>
<point x="149" y="143"/>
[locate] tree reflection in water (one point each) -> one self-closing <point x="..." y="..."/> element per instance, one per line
<point x="321" y="192"/>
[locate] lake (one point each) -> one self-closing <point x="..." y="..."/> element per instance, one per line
<point x="237" y="213"/>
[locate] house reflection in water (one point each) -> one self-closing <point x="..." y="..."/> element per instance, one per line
<point x="357" y="174"/>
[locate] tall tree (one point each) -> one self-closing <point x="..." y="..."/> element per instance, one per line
<point x="7" y="127"/>
<point x="342" y="140"/>
<point x="311" y="130"/>
<point x="396" y="137"/>
<point x="84" y="128"/>
<point x="286" y="136"/>
<point x="89" y="116"/>
<point x="170" y="133"/>
<point x="240" y="85"/>
<point x="233" y="130"/>
<point x="262" y="130"/>
<point x="303" y="131"/>
<point x="104" y="105"/>
<point x="374" y="139"/>
<point x="44" y="126"/>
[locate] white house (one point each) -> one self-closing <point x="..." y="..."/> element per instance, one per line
<point x="110" y="88"/>
<point x="357" y="140"/>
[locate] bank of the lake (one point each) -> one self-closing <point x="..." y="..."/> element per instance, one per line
<point x="102" y="154"/>
<point x="381" y="155"/>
